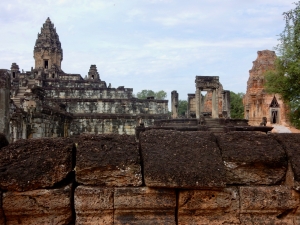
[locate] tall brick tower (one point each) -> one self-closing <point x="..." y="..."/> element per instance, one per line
<point x="257" y="102"/>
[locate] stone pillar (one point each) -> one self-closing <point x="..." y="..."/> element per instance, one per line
<point x="214" y="112"/>
<point x="223" y="102"/>
<point x="217" y="103"/>
<point x="5" y="103"/>
<point x="226" y="103"/>
<point x="227" y="100"/>
<point x="198" y="103"/>
<point x="188" y="107"/>
<point x="174" y="104"/>
<point x="15" y="132"/>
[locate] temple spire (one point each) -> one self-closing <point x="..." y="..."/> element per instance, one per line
<point x="47" y="49"/>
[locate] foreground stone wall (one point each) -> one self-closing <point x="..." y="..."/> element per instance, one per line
<point x="167" y="177"/>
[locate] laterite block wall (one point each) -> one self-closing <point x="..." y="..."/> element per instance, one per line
<point x="168" y="178"/>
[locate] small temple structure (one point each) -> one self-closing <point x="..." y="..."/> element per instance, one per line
<point x="216" y="102"/>
<point x="258" y="104"/>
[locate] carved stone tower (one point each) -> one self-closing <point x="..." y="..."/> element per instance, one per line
<point x="15" y="71"/>
<point x="93" y="73"/>
<point x="47" y="50"/>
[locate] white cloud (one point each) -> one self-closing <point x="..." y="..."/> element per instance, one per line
<point x="192" y="44"/>
<point x="158" y="44"/>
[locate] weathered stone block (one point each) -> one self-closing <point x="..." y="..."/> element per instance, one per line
<point x="272" y="199"/>
<point x="208" y="207"/>
<point x="291" y="144"/>
<point x="144" y="206"/>
<point x="38" y="207"/>
<point x="108" y="160"/>
<point x="144" y="197"/>
<point x="268" y="219"/>
<point x="252" y="158"/>
<point x="144" y="217"/>
<point x="3" y="141"/>
<point x="94" y="205"/>
<point x="35" y="163"/>
<point x="181" y="159"/>
<point x="2" y="218"/>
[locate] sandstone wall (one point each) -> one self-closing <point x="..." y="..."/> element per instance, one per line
<point x="167" y="177"/>
<point x="87" y="92"/>
<point x="115" y="106"/>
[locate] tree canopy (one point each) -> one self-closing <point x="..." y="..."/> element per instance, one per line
<point x="285" y="79"/>
<point x="236" y="105"/>
<point x="160" y="95"/>
<point x="182" y="107"/>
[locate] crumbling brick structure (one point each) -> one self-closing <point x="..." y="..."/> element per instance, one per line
<point x="257" y="103"/>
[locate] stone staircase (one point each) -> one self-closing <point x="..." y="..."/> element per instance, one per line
<point x="21" y="92"/>
<point x="17" y="98"/>
<point x="214" y="125"/>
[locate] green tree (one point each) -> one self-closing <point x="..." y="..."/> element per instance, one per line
<point x="160" y="95"/>
<point x="236" y="105"/>
<point x="285" y="79"/>
<point x="182" y="107"/>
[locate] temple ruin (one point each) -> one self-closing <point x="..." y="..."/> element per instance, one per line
<point x="210" y="112"/>
<point x="257" y="103"/>
<point x="216" y="102"/>
<point x="47" y="102"/>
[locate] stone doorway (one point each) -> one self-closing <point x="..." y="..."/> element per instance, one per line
<point x="208" y="84"/>
<point x="46" y="64"/>
<point x="274" y="106"/>
<point x="274" y="116"/>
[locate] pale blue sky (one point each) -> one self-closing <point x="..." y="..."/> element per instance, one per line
<point x="154" y="44"/>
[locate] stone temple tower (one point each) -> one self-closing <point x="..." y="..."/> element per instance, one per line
<point x="47" y="50"/>
<point x="93" y="73"/>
